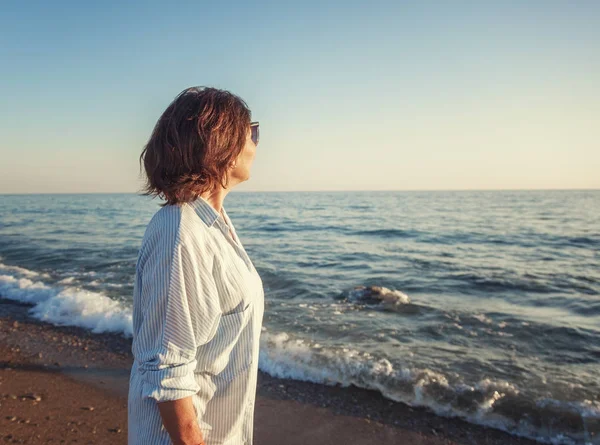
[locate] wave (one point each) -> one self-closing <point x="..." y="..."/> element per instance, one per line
<point x="497" y="404"/>
<point x="65" y="305"/>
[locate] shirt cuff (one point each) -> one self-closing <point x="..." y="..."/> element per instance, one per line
<point x="169" y="376"/>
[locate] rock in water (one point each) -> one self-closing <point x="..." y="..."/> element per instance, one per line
<point x="378" y="295"/>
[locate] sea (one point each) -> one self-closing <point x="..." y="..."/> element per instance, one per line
<point x="483" y="305"/>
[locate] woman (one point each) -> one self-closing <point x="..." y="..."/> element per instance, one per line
<point x="198" y="300"/>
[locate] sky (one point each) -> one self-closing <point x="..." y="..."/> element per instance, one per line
<point x="445" y="95"/>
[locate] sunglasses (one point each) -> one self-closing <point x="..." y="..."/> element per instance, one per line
<point x="255" y="133"/>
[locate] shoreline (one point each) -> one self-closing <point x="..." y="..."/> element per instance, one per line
<point x="78" y="366"/>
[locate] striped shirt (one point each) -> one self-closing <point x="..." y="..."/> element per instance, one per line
<point x="198" y="306"/>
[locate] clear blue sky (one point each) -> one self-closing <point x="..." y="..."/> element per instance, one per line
<point x="350" y="95"/>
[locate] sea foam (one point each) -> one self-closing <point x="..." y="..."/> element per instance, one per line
<point x="63" y="304"/>
<point x="493" y="403"/>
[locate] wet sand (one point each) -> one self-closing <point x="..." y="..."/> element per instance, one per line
<point x="68" y="385"/>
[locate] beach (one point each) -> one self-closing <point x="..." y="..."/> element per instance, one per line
<point x="62" y="384"/>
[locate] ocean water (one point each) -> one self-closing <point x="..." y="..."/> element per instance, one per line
<point x="495" y="311"/>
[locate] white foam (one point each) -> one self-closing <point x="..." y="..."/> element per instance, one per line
<point x="90" y="310"/>
<point x="21" y="271"/>
<point x="66" y="305"/>
<point x="482" y="318"/>
<point x="283" y="356"/>
<point x="24" y="290"/>
<point x="97" y="283"/>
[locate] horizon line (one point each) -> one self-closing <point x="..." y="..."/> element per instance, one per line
<point x="325" y="191"/>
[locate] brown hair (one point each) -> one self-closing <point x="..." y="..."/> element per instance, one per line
<point x="193" y="143"/>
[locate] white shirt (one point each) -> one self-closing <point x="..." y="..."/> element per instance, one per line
<point x="198" y="306"/>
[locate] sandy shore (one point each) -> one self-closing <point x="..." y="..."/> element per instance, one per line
<point x="68" y="385"/>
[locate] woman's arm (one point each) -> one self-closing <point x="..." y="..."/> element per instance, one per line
<point x="178" y="315"/>
<point x="179" y="418"/>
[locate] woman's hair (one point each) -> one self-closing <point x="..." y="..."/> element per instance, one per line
<point x="193" y="143"/>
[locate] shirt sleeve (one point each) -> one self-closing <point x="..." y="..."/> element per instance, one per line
<point x="180" y="312"/>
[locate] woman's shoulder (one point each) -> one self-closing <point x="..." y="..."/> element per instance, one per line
<point x="172" y="215"/>
<point x="177" y="223"/>
<point x="166" y="220"/>
<point x="172" y="227"/>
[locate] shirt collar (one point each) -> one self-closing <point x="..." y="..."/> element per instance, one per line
<point x="205" y="211"/>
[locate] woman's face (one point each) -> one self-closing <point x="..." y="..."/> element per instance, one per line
<point x="241" y="171"/>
